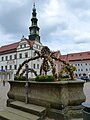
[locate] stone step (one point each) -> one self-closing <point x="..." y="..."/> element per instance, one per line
<point x="14" y="114"/>
<point x="30" y="108"/>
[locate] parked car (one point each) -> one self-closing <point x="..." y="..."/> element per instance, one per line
<point x="85" y="78"/>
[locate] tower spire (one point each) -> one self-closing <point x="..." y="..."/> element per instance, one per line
<point x="34" y="29"/>
<point x="34" y="5"/>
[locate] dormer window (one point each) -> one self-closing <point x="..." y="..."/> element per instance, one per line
<point x="20" y="46"/>
<point x="24" y="45"/>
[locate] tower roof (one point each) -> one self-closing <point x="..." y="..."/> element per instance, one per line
<point x="34" y="29"/>
<point x="34" y="6"/>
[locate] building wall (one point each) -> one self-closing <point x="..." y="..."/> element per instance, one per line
<point x="82" y="67"/>
<point x="13" y="63"/>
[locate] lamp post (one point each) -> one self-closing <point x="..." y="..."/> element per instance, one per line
<point x="26" y="86"/>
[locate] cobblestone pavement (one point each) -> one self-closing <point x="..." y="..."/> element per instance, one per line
<point x="3" y="94"/>
<point x="4" y="90"/>
<point x="87" y="91"/>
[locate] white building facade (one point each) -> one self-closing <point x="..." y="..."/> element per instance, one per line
<point x="12" y="55"/>
<point x="81" y="61"/>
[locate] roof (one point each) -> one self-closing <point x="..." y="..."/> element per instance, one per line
<point x="76" y="56"/>
<point x="9" y="47"/>
<point x="57" y="54"/>
<point x="30" y="43"/>
<point x="12" y="47"/>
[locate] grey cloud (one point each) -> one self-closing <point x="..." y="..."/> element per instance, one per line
<point x="47" y="32"/>
<point x="82" y="40"/>
<point x="17" y="19"/>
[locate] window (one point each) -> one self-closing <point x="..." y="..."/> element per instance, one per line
<point x="15" y="56"/>
<point x="1" y="67"/>
<point x="20" y="46"/>
<point x="81" y="69"/>
<point x="34" y="66"/>
<point x="25" y="45"/>
<point x="6" y="57"/>
<point x="86" y="69"/>
<point x="78" y="64"/>
<point x="81" y="64"/>
<point x="86" y="64"/>
<point x="10" y="57"/>
<point x="15" y="67"/>
<point x="37" y="66"/>
<point x="2" y="58"/>
<point x="5" y="67"/>
<point x="78" y="69"/>
<point x="75" y="64"/>
<point x="26" y="54"/>
<point x="10" y="67"/>
<point x="20" y="55"/>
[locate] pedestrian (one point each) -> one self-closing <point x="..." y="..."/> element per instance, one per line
<point x="3" y="82"/>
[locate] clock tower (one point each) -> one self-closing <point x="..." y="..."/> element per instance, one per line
<point x="34" y="29"/>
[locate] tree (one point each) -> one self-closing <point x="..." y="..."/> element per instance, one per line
<point x="47" y="63"/>
<point x="68" y="69"/>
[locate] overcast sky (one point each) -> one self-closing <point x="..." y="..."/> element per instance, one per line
<point x="64" y="24"/>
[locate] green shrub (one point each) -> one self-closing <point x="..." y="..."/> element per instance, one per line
<point x="31" y="79"/>
<point x="65" y="76"/>
<point x="20" y="78"/>
<point x="47" y="78"/>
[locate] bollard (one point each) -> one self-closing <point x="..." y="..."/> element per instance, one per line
<point x="86" y="111"/>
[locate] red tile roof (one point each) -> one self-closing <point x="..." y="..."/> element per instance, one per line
<point x="12" y="47"/>
<point x="76" y="56"/>
<point x="9" y="47"/>
<point x="31" y="43"/>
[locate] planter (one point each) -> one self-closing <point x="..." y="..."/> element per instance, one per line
<point x="66" y="96"/>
